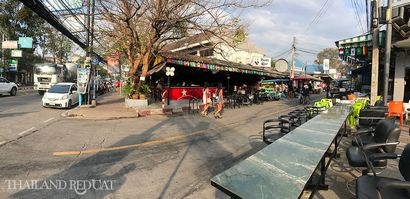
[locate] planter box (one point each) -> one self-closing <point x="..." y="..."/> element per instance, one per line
<point x="136" y="103"/>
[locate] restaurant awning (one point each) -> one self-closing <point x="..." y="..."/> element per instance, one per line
<point x="218" y="65"/>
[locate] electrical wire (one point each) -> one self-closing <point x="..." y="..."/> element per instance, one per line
<point x="319" y="14"/>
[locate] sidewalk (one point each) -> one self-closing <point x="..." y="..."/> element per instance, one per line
<point x="109" y="106"/>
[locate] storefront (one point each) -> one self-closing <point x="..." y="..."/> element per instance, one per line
<point x="192" y="72"/>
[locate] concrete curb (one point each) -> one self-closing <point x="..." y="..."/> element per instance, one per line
<point x="26" y="88"/>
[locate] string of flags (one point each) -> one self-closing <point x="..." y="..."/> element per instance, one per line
<point x="216" y="67"/>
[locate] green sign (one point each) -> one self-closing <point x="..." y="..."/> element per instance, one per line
<point x="25" y="42"/>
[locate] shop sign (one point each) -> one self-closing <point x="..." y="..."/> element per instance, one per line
<point x="16" y="53"/>
<point x="25" y="42"/>
<point x="9" y="44"/>
<point x="261" y="61"/>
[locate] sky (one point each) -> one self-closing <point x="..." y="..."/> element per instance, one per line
<point x="273" y="27"/>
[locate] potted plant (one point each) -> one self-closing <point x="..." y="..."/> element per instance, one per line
<point x="144" y="91"/>
<point x="128" y="91"/>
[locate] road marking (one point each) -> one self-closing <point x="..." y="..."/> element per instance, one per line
<point x="48" y="120"/>
<point x="164" y="140"/>
<point x="26" y="131"/>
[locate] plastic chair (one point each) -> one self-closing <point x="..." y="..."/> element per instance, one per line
<point x="324" y="105"/>
<point x="330" y="101"/>
<point x="352" y="119"/>
<point x="351" y="97"/>
<point x="396" y="108"/>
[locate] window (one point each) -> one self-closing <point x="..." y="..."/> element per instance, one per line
<point x="2" y="80"/>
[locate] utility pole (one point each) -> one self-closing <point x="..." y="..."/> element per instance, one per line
<point x="388" y="50"/>
<point x="292" y="68"/>
<point x="375" y="53"/>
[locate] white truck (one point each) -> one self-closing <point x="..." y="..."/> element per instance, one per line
<point x="49" y="74"/>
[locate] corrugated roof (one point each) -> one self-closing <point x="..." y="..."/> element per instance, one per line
<point x="187" y="41"/>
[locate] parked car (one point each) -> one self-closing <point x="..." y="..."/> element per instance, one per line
<point x="7" y="87"/>
<point x="61" y="95"/>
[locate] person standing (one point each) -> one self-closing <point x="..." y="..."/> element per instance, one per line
<point x="206" y="99"/>
<point x="219" y="97"/>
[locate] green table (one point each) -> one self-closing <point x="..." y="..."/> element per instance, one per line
<point x="283" y="169"/>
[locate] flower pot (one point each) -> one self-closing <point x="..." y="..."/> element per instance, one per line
<point x="142" y="96"/>
<point x="135" y="96"/>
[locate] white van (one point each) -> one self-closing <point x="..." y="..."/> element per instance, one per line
<point x="61" y="95"/>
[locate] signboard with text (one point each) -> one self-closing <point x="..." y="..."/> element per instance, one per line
<point x="9" y="44"/>
<point x="25" y="42"/>
<point x="16" y="53"/>
<point x="82" y="79"/>
<point x="261" y="61"/>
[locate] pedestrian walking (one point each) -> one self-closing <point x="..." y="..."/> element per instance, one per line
<point x="219" y="99"/>
<point x="206" y="99"/>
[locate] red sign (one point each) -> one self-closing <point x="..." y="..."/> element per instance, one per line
<point x="186" y="93"/>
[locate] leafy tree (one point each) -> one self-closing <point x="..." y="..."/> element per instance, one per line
<point x="329" y="53"/>
<point x="139" y="29"/>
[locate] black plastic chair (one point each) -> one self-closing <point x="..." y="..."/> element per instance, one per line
<point x="375" y="187"/>
<point x="268" y="126"/>
<point x="367" y="136"/>
<point x="386" y="142"/>
<point x="288" y="123"/>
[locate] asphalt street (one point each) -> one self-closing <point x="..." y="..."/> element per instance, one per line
<point x="23" y="114"/>
<point x="152" y="157"/>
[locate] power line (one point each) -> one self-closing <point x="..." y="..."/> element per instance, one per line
<point x="319" y="14"/>
<point x="356" y="12"/>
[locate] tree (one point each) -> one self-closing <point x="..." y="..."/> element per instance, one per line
<point x="332" y="54"/>
<point x="16" y="20"/>
<point x="58" y="45"/>
<point x="139" y="29"/>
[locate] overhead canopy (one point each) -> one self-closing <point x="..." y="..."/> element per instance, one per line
<point x="402" y="44"/>
<point x="188" y="60"/>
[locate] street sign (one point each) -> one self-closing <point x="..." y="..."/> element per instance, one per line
<point x="170" y="71"/>
<point x="94" y="60"/>
<point x="261" y="61"/>
<point x="25" y="42"/>
<point x="16" y="53"/>
<point x="326" y="63"/>
<point x="9" y="44"/>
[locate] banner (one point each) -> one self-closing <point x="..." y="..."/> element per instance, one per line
<point x="113" y="65"/>
<point x="82" y="79"/>
<point x="186" y="93"/>
<point x="12" y="65"/>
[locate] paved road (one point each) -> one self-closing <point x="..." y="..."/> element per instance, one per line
<point x="23" y="114"/>
<point x="152" y="157"/>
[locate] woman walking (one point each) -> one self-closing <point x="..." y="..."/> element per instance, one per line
<point x="206" y="99"/>
<point x="219" y="96"/>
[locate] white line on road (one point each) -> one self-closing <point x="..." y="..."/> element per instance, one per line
<point x="45" y="121"/>
<point x="26" y="131"/>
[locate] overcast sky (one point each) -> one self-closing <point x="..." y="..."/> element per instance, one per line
<point x="273" y="27"/>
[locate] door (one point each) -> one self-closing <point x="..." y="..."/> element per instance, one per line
<point x="3" y="85"/>
<point x="74" y="94"/>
